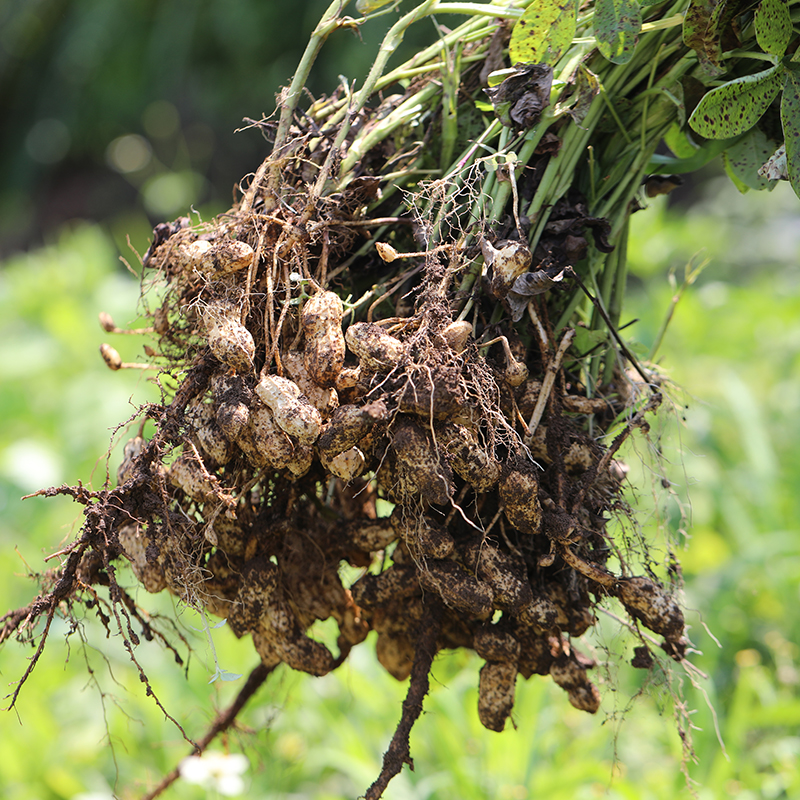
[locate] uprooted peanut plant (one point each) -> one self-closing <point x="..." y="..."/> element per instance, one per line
<point x="415" y="305"/>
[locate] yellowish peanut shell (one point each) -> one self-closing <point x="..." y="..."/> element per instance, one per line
<point x="292" y="410"/>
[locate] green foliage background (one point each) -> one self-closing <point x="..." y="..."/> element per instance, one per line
<point x="731" y="442"/>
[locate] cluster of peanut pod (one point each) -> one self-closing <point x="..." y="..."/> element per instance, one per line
<point x="300" y="440"/>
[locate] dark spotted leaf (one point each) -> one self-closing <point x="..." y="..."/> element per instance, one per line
<point x="790" y="118"/>
<point x="744" y="159"/>
<point x="543" y="33"/>
<point x="736" y="106"/>
<point x="773" y="26"/>
<point x="696" y="35"/>
<point x="710" y="28"/>
<point x="616" y="27"/>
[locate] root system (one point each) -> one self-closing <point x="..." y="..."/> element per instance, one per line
<point x="363" y="368"/>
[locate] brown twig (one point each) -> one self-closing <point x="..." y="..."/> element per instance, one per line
<point x="223" y="721"/>
<point x="398" y="752"/>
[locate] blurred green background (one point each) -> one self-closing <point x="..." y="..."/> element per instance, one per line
<point x="89" y="87"/>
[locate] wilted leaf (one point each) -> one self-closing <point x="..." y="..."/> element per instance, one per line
<point x="616" y="26"/>
<point x="736" y="106"/>
<point x="521" y="97"/>
<point x="585" y="88"/>
<point x="743" y="160"/>
<point x="543" y="33"/>
<point x="790" y="118"/>
<point x="529" y="285"/>
<point x="775" y="167"/>
<point x="773" y="26"/>
<point x="655" y="185"/>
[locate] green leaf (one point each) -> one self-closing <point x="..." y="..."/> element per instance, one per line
<point x="704" y="155"/>
<point x="736" y="106"/>
<point x="586" y="340"/>
<point x="744" y="159"/>
<point x="790" y="118"/>
<point x="368" y="6"/>
<point x="740" y="185"/>
<point x="616" y="26"/>
<point x="773" y="26"/>
<point x="543" y="33"/>
<point x="678" y="142"/>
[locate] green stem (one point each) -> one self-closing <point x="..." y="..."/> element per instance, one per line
<point x="389" y="44"/>
<point x="330" y="22"/>
<point x="617" y="296"/>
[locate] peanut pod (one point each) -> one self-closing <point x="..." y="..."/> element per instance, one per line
<point x="421" y="534"/>
<point x="376" y="351"/>
<point x="371" y="535"/>
<point x="492" y="644"/>
<point x="348" y="425"/>
<point x="347" y="465"/>
<point x="496" y="689"/>
<point x="418" y="463"/>
<point x="519" y="494"/>
<point x="188" y="475"/>
<point x="396" y="583"/>
<point x="457" y="588"/>
<point x="571" y="677"/>
<point x="228" y="339"/>
<point x="226" y="256"/>
<point x="324" y="400"/>
<point x="395" y="653"/>
<point x="263" y="442"/>
<point x="651" y="605"/>
<point x="201" y="418"/>
<point x="504" y="572"/>
<point x="321" y="321"/>
<point x="293" y="413"/>
<point x="467" y="458"/>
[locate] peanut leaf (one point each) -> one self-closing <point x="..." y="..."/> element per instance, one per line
<point x="736" y="106"/>
<point x="773" y="26"/>
<point x="616" y="27"/>
<point x="710" y="29"/>
<point x="790" y="119"/>
<point x="744" y="159"/>
<point x="696" y="30"/>
<point x="543" y="33"/>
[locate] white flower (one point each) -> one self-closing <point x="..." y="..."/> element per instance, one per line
<point x="220" y="771"/>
